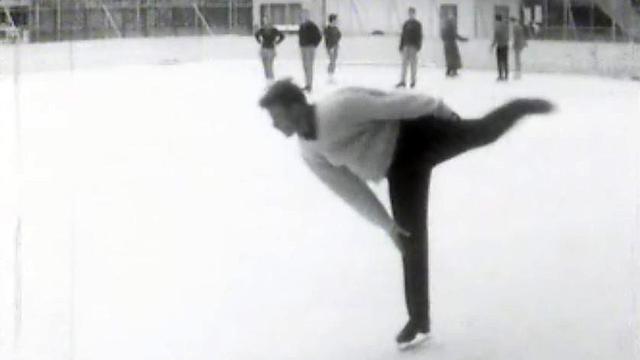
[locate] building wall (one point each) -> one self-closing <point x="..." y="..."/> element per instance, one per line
<point x="314" y="7"/>
<point x="360" y="17"/>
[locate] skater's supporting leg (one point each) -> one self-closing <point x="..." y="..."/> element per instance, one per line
<point x="409" y="192"/>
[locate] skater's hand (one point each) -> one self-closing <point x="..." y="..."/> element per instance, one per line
<point x="397" y="233"/>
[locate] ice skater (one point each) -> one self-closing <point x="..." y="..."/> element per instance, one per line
<point x="501" y="44"/>
<point x="355" y="135"/>
<point x="410" y="45"/>
<point x="519" y="43"/>
<point x="309" y="38"/>
<point x="332" y="36"/>
<point x="268" y="37"/>
<point x="450" y="38"/>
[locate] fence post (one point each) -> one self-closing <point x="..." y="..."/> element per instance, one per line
<point x="37" y="21"/>
<point x="138" y="20"/>
<point x="230" y="15"/>
<point x="58" y="20"/>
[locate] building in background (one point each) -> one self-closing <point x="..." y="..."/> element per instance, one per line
<point x="56" y="20"/>
<point x="545" y="19"/>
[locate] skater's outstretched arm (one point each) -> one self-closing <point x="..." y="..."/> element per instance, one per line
<point x="352" y="190"/>
<point x="358" y="195"/>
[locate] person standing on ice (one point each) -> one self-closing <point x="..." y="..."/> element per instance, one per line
<point x="410" y="45"/>
<point x="450" y="39"/>
<point x="309" y="38"/>
<point x="332" y="36"/>
<point x="519" y="43"/>
<point x="268" y="37"/>
<point x="355" y="135"/>
<point x="501" y="44"/>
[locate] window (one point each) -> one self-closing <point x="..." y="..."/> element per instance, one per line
<point x="282" y="14"/>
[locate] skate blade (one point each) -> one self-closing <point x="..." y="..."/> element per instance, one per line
<point x="416" y="342"/>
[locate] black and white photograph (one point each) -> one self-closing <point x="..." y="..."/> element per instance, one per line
<point x="319" y="179"/>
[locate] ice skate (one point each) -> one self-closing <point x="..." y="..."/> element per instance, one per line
<point x="411" y="336"/>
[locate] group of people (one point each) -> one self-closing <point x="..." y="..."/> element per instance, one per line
<point x="501" y="39"/>
<point x="500" y="44"/>
<point x="310" y="37"/>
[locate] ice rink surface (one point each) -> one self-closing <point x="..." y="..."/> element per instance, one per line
<point x="163" y="218"/>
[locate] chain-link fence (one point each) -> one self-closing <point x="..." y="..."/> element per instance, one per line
<point x="58" y="20"/>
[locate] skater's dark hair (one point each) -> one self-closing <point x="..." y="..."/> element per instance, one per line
<point x="412" y="9"/>
<point x="333" y="17"/>
<point x="283" y="92"/>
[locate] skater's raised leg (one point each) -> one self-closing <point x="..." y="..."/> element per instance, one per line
<point x="445" y="139"/>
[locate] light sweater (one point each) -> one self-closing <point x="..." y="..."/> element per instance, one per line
<point x="357" y="130"/>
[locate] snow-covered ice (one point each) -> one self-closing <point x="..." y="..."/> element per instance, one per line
<point x="163" y="218"/>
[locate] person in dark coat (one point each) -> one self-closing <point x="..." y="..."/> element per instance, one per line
<point x="356" y="135"/>
<point x="332" y="36"/>
<point x="309" y="37"/>
<point x="410" y="45"/>
<point x="268" y="37"/>
<point x="519" y="43"/>
<point x="450" y="38"/>
<point x="501" y="44"/>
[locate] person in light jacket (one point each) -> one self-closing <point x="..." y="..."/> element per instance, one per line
<point x="356" y="135"/>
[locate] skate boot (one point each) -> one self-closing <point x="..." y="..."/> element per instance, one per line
<point x="412" y="335"/>
<point x="401" y="84"/>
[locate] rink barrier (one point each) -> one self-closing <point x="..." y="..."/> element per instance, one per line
<point x="609" y="59"/>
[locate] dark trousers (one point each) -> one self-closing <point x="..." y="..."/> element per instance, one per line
<point x="422" y="144"/>
<point x="502" y="53"/>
